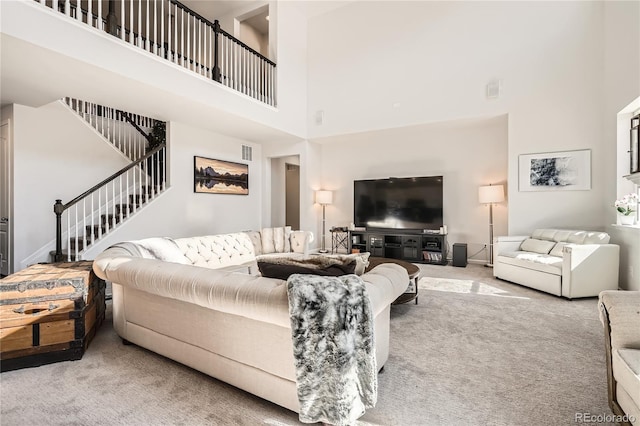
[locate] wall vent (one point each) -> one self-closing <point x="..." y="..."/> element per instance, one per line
<point x="247" y="153"/>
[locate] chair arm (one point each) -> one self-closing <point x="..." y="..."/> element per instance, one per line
<point x="588" y="269"/>
<point x="508" y="243"/>
<point x="621" y="311"/>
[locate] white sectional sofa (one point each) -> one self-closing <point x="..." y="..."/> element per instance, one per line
<point x="562" y="262"/>
<point x="186" y="299"/>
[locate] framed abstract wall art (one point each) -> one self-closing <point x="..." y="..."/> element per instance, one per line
<point x="555" y="171"/>
<point x="220" y="177"/>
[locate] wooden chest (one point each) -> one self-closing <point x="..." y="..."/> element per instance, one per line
<point x="49" y="313"/>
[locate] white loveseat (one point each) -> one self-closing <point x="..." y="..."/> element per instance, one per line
<point x="186" y="300"/>
<point x="566" y="263"/>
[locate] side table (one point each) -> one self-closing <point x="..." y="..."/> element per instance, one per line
<point x="339" y="239"/>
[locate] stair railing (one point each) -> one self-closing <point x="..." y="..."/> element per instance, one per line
<point x="124" y="130"/>
<point x="102" y="207"/>
<point x="176" y="33"/>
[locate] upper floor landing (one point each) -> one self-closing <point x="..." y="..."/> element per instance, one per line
<point x="161" y="58"/>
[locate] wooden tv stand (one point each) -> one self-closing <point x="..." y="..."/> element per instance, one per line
<point x="404" y="245"/>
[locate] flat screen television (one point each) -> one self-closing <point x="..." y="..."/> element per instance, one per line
<point x="398" y="203"/>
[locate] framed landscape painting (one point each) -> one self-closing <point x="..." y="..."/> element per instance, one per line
<point x="220" y="177"/>
<point x="555" y="171"/>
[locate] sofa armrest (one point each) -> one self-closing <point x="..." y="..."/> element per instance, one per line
<point x="621" y="311"/>
<point x="588" y="269"/>
<point x="508" y="243"/>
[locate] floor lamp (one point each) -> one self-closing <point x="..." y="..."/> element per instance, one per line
<point x="323" y="198"/>
<point x="491" y="195"/>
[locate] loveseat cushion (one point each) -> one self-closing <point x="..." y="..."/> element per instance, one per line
<point x="536" y="261"/>
<point x="586" y="237"/>
<point x="557" y="249"/>
<point x="556" y="235"/>
<point x="283" y="267"/>
<point x="537" y="246"/>
<point x="571" y="236"/>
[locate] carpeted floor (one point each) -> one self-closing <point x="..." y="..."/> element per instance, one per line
<point x="474" y="351"/>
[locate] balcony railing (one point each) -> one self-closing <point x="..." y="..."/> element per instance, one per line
<point x="176" y="33"/>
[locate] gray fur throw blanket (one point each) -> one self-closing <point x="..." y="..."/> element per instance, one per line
<point x="283" y="267"/>
<point x="333" y="347"/>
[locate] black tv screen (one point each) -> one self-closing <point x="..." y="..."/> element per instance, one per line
<point x="398" y="203"/>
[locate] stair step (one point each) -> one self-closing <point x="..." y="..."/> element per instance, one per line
<point x="111" y="218"/>
<point x="123" y="208"/>
<point x="97" y="229"/>
<point x="80" y="242"/>
<point x="150" y="189"/>
<point x="139" y="199"/>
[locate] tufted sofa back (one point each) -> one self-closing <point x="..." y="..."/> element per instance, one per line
<point x="217" y="251"/>
<point x="572" y="237"/>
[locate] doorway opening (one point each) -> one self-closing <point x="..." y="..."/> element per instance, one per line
<point x="285" y="191"/>
<point x="292" y="195"/>
<point x="253" y="29"/>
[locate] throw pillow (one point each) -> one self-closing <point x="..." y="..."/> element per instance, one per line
<point x="256" y="240"/>
<point x="283" y="267"/>
<point x="299" y="241"/>
<point x="268" y="245"/>
<point x="557" y="249"/>
<point x="537" y="246"/>
<point x="278" y="239"/>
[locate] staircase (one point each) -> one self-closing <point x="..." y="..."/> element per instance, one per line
<point x="127" y="132"/>
<point x="104" y="207"/>
<point x="108" y="221"/>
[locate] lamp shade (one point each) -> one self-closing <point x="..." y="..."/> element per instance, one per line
<point x="491" y="194"/>
<point x="324" y="197"/>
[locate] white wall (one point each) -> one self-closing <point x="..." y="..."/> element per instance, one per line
<point x="254" y="39"/>
<point x="621" y="87"/>
<point x="180" y="212"/>
<point x="56" y="156"/>
<point x="467" y="153"/>
<point x="431" y="61"/>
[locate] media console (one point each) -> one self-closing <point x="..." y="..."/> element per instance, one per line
<point x="404" y="245"/>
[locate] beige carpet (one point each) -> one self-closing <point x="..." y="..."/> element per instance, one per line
<point x="474" y="351"/>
